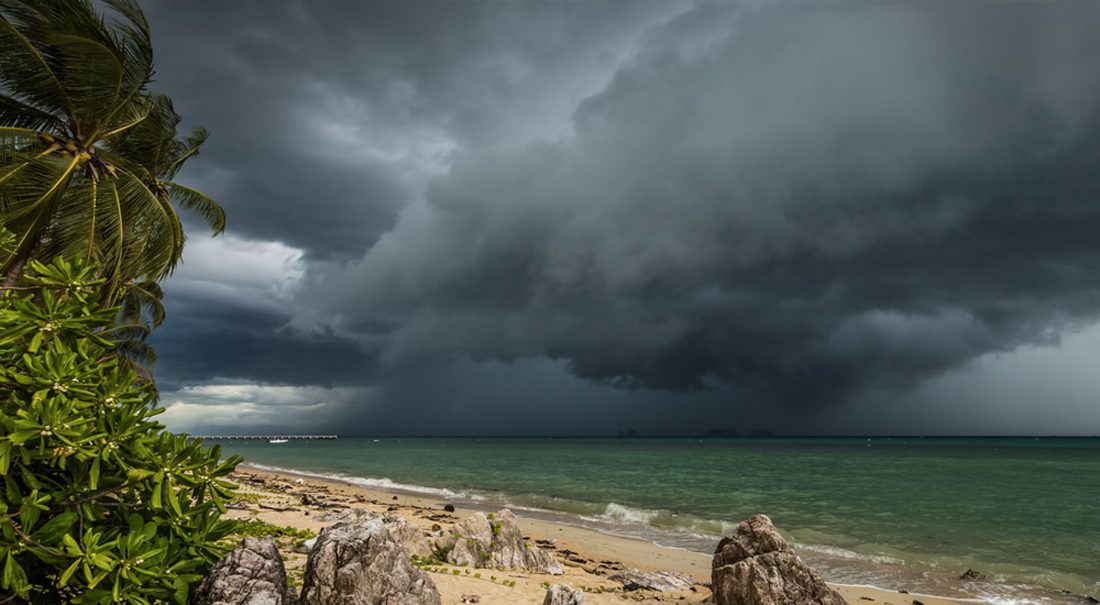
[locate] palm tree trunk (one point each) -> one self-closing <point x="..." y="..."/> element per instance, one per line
<point x="16" y="264"/>
<point x="15" y="270"/>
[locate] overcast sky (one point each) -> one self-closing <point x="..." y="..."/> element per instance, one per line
<point x="672" y="216"/>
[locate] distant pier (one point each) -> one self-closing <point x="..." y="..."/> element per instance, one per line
<point x="269" y="437"/>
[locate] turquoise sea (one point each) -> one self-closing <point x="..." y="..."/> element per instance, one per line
<point x="899" y="513"/>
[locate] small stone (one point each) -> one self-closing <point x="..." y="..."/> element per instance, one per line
<point x="970" y="574"/>
<point x="659" y="581"/>
<point x="563" y="594"/>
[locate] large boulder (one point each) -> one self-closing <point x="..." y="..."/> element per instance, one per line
<point x="362" y="564"/>
<point x="411" y="538"/>
<point x="755" y="566"/>
<point x="253" y="574"/>
<point x="657" y="581"/>
<point x="562" y="594"/>
<point x="495" y="541"/>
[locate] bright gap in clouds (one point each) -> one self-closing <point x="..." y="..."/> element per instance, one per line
<point x="224" y="408"/>
<point x="231" y="269"/>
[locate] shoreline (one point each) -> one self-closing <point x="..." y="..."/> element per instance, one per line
<point x="587" y="543"/>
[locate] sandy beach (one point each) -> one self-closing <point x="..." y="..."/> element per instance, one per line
<point x="588" y="556"/>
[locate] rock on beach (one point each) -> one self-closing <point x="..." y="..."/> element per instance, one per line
<point x="361" y="563"/>
<point x="252" y="574"/>
<point x="755" y="566"/>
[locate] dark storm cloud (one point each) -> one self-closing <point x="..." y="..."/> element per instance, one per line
<point x="818" y="200"/>
<point x="504" y="217"/>
<point x="328" y="117"/>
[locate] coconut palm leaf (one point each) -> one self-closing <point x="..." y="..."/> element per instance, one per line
<point x="200" y="203"/>
<point x="87" y="153"/>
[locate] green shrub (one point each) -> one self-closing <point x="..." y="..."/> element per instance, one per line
<point x="258" y="528"/>
<point x="99" y="503"/>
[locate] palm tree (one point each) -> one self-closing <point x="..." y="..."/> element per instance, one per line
<point x="87" y="154"/>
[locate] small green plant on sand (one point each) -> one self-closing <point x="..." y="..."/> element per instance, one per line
<point x="256" y="528"/>
<point x="99" y="504"/>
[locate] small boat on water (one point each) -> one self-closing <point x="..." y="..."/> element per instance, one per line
<point x="277" y="440"/>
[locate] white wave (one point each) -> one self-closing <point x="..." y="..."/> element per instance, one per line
<point x="627" y="514"/>
<point x="843" y="553"/>
<point x="384" y="483"/>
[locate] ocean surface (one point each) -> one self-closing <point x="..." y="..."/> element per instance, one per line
<point x="898" y="513"/>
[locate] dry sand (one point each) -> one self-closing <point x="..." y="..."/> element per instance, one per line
<point x="267" y="491"/>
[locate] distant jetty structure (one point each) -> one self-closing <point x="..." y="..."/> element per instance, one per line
<point x="268" y="437"/>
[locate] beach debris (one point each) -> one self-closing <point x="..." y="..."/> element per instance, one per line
<point x="495" y="541"/>
<point x="346" y="515"/>
<point x="970" y="574"/>
<point x="563" y="594"/>
<point x="281" y="509"/>
<point x="449" y="508"/>
<point x="471" y="598"/>
<point x="755" y="566"/>
<point x="362" y="564"/>
<point x="657" y="581"/>
<point x="252" y="574"/>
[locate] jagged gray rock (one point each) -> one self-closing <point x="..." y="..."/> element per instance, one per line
<point x="252" y="574"/>
<point x="409" y="536"/>
<point x="496" y="543"/>
<point x="563" y="594"/>
<point x="755" y="566"/>
<point x="658" y="581"/>
<point x="362" y="564"/>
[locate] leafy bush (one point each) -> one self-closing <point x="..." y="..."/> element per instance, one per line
<point x="99" y="503"/>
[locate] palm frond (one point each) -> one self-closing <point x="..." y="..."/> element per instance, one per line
<point x="155" y="230"/>
<point x="137" y="352"/>
<point x="183" y="151"/>
<point x="132" y="38"/>
<point x="15" y="113"/>
<point x="31" y="185"/>
<point x="92" y="74"/>
<point x="123" y="332"/>
<point x="199" y="203"/>
<point x="23" y="67"/>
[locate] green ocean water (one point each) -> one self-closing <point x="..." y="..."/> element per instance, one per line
<point x="907" y="513"/>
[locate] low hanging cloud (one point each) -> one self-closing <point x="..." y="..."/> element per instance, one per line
<point x="803" y="200"/>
